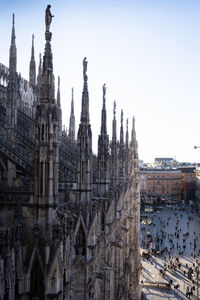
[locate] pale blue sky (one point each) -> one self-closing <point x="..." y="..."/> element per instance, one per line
<point x="147" y="53"/>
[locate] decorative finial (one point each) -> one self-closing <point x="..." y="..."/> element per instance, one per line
<point x="121" y="116"/>
<point x="13" y="30"/>
<point x="85" y="68"/>
<point x="58" y="92"/>
<point x="114" y="108"/>
<point x="72" y="93"/>
<point x="127" y="123"/>
<point x="32" y="45"/>
<point x="48" y="17"/>
<point x="104" y="90"/>
<point x="58" y="81"/>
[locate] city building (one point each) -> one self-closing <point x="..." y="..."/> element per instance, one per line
<point x="160" y="185"/>
<point x="188" y="183"/>
<point x="164" y="160"/>
<point x="197" y="188"/>
<point x="69" y="219"/>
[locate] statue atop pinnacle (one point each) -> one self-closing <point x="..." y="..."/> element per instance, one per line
<point x="85" y="68"/>
<point x="104" y="90"/>
<point x="114" y="108"/>
<point x="48" y="18"/>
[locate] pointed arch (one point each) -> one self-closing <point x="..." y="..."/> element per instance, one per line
<point x="37" y="284"/>
<point x="56" y="273"/>
<point x="80" y="241"/>
<point x="57" y="260"/>
<point x="35" y="269"/>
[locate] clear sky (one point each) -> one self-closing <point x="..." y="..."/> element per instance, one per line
<point x="147" y="53"/>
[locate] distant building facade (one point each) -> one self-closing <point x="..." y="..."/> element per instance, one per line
<point x="160" y="186"/>
<point x="188" y="183"/>
<point x="197" y="189"/>
<point x="163" y="160"/>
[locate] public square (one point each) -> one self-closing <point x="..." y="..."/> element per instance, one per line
<point x="170" y="253"/>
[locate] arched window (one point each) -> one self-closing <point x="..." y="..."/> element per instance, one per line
<point x="36" y="281"/>
<point x="80" y="241"/>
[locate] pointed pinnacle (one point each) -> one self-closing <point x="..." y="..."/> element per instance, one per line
<point x="121" y="117"/>
<point x="13" y="30"/>
<point x="114" y="109"/>
<point x="32" y="50"/>
<point x="133" y="121"/>
<point x="72" y="103"/>
<point x="104" y="94"/>
<point x="58" y="92"/>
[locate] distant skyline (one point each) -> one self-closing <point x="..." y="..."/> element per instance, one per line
<point x="147" y="53"/>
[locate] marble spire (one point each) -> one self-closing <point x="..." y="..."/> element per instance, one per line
<point x="13" y="49"/>
<point x="58" y="92"/>
<point x="72" y="120"/>
<point x="32" y="68"/>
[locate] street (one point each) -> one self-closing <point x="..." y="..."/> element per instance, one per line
<point x="170" y="244"/>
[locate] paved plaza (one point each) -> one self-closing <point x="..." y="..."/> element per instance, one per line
<point x="173" y="241"/>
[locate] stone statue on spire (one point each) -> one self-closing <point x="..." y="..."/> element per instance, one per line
<point x="114" y="108"/>
<point x="104" y="90"/>
<point x="48" y="17"/>
<point x="85" y="66"/>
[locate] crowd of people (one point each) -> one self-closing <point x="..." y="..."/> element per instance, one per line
<point x="169" y="238"/>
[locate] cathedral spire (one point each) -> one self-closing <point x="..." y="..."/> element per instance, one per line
<point x="114" y="124"/>
<point x="103" y="115"/>
<point x="72" y="120"/>
<point x="47" y="71"/>
<point x="127" y="135"/>
<point x="58" y="92"/>
<point x="121" y="129"/>
<point x="133" y="133"/>
<point x="13" y="50"/>
<point x="114" y="150"/>
<point x="59" y="108"/>
<point x="40" y="65"/>
<point x="103" y="150"/>
<point x="47" y="126"/>
<point x="32" y="68"/>
<point x="121" y="150"/>
<point x="12" y="88"/>
<point x="84" y="142"/>
<point x="127" y="164"/>
<point x="133" y="150"/>
<point x="39" y="71"/>
<point x="85" y="98"/>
